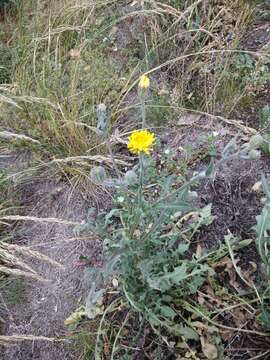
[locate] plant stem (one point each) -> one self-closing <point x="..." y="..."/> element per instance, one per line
<point x="141" y="180"/>
<point x="142" y="98"/>
<point x="112" y="157"/>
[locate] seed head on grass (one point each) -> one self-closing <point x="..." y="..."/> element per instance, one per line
<point x="141" y="141"/>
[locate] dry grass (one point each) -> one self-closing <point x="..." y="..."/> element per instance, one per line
<point x="15" y="339"/>
<point x="69" y="58"/>
<point x="53" y="93"/>
<point x="11" y="256"/>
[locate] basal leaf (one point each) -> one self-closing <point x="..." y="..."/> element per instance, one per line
<point x="93" y="305"/>
<point x="168" y="312"/>
<point x="187" y="332"/>
<point x="180" y="205"/>
<point x="182" y="248"/>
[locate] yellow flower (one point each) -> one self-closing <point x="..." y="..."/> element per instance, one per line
<point x="144" y="82"/>
<point x="141" y="141"/>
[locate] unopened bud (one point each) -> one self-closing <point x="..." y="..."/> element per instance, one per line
<point x="192" y="195"/>
<point x="144" y="82"/>
<point x="103" y="119"/>
<point x="255" y="141"/>
<point x="98" y="174"/>
<point x="254" y="154"/>
<point x="131" y="177"/>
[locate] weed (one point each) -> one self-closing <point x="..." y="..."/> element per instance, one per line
<point x="157" y="288"/>
<point x="264" y="118"/>
<point x="147" y="237"/>
<point x="262" y="226"/>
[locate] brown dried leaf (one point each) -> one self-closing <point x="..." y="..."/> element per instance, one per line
<point x="201" y="326"/>
<point x="209" y="350"/>
<point x="188" y="119"/>
<point x="229" y="268"/>
<point x="226" y="335"/>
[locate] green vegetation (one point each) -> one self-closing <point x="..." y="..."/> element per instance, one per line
<point x="175" y="280"/>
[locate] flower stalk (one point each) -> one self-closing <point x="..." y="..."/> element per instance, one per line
<point x="144" y="84"/>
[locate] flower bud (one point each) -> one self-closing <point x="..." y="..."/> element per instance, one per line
<point x="255" y="141"/>
<point x="257" y="187"/>
<point x="131" y="177"/>
<point x="102" y="119"/>
<point x="144" y="82"/>
<point x="192" y="195"/>
<point x="98" y="174"/>
<point x="254" y="154"/>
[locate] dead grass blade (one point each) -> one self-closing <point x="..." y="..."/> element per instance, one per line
<point x="8" y="100"/>
<point x="95" y="158"/>
<point x="8" y="258"/>
<point x="37" y="219"/>
<point x="23" y="250"/>
<point x="9" y="135"/>
<point x="17" y="272"/>
<point x="14" y="339"/>
<point x="63" y="241"/>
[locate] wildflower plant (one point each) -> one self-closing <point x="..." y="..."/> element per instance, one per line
<point x="147" y="240"/>
<point x="147" y="236"/>
<point x="262" y="228"/>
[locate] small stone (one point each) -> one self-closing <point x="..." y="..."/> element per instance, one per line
<point x="257" y="187"/>
<point x="75" y="54"/>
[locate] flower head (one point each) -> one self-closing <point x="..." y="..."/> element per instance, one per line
<point x="144" y="82"/>
<point x="141" y="141"/>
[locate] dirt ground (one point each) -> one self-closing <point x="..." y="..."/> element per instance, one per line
<point x="48" y="304"/>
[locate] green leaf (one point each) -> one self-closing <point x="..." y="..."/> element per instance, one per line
<point x="205" y="216"/>
<point x="265" y="116"/>
<point x="178" y="274"/>
<point x="94" y="300"/>
<point x="167" y="184"/>
<point x="209" y="171"/>
<point x="230" y="148"/>
<point x="111" y="265"/>
<point x="168" y="312"/>
<point x="195" y="283"/>
<point x="180" y="205"/>
<point x="266" y="145"/>
<point x="166" y="281"/>
<point x="182" y="248"/>
<point x="187" y="332"/>
<point x="263" y="222"/>
<point x="110" y="215"/>
<point x="265" y="316"/>
<point x="266" y="186"/>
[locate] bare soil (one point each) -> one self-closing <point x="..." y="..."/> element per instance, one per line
<point x="48" y="304"/>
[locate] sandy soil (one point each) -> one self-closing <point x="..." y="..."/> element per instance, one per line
<point x="48" y="304"/>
